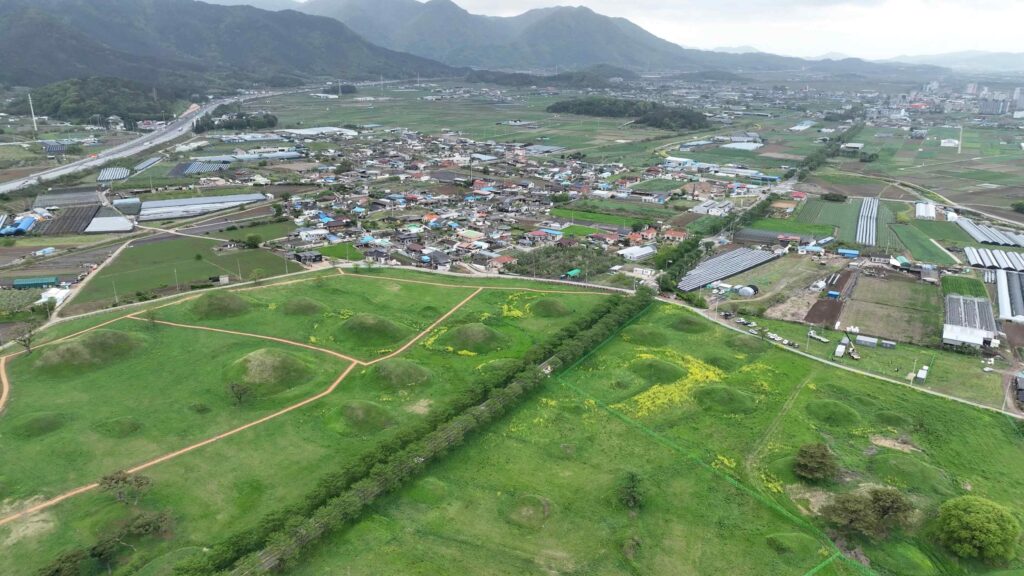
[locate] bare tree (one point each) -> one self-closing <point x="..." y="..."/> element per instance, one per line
<point x="149" y="315"/>
<point x="27" y="336"/>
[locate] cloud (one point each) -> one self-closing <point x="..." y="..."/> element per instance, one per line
<point x="866" y="28"/>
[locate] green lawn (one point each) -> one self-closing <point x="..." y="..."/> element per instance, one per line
<point x="594" y="217"/>
<point x="343" y="251"/>
<point x="965" y="286"/>
<point x="154" y="266"/>
<point x="842" y="215"/>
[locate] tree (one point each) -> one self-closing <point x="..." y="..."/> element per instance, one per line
<point x="27" y="335"/>
<point x="892" y="508"/>
<point x="815" y="462"/>
<point x="239" y="392"/>
<point x="852" y="512"/>
<point x="631" y="494"/>
<point x="149" y="315"/>
<point x="1018" y="207"/>
<point x="257" y="275"/>
<point x="973" y="527"/>
<point x="127" y="488"/>
<point x="278" y="210"/>
<point x="253" y="241"/>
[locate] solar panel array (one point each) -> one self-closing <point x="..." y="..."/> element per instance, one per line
<point x="111" y="174"/>
<point x="970" y="313"/>
<point x="724" y="266"/>
<point x="989" y="235"/>
<point x="147" y="164"/>
<point x="998" y="259"/>
<point x="867" y="222"/>
<point x="202" y="168"/>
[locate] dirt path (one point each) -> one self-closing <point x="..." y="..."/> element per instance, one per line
<point x="171" y="455"/>
<point x="755" y="454"/>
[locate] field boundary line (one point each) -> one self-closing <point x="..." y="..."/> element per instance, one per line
<point x="826" y="562"/>
<point x="427" y="330"/>
<point x="774" y="424"/>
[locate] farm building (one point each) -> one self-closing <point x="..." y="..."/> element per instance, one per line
<point x="187" y="207"/>
<point x="969" y="322"/>
<point x="33" y="283"/>
<point x="924" y="211"/>
<point x="637" y="253"/>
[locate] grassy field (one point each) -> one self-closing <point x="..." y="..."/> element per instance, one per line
<point x="229" y="485"/>
<point x="595" y="217"/>
<point x="709" y="421"/>
<point x="159" y="266"/>
<point x="343" y="251"/>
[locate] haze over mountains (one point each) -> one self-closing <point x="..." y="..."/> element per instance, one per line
<point x="970" y="60"/>
<point x="190" y="43"/>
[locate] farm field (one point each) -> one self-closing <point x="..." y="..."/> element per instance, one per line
<point x="151" y="266"/>
<point x="965" y="286"/>
<point x="698" y="414"/>
<point x="595" y="217"/>
<point x="344" y="251"/>
<point x="793" y="226"/>
<point x="229" y="485"/>
<point x="579" y="231"/>
<point x="896" y="308"/>
<point x="841" y="215"/>
<point x="921" y="246"/>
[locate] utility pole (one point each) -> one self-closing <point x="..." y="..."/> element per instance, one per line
<point x="177" y="287"/>
<point x="239" y="262"/>
<point x="32" y="109"/>
<point x="114" y="284"/>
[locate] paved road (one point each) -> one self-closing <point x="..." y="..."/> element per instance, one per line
<point x="175" y="129"/>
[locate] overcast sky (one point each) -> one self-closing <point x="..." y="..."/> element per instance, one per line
<point x="864" y="28"/>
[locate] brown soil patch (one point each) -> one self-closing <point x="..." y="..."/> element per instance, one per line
<point x="824" y="313"/>
<point x="815" y="498"/>
<point x="29" y="526"/>
<point x="421" y="407"/>
<point x="895" y="444"/>
<point x="781" y="155"/>
<point x="794" y="309"/>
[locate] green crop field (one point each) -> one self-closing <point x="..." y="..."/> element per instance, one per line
<point x="842" y="215"/>
<point x="595" y="217"/>
<point x="159" y="266"/>
<point x="343" y="251"/>
<point x="920" y="245"/>
<point x="793" y="226"/>
<point x="965" y="286"/>
<point x="667" y="449"/>
<point x="579" y="231"/>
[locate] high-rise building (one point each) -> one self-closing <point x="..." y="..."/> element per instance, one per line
<point x="993" y="107"/>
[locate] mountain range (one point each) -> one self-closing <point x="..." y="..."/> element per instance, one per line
<point x="970" y="60"/>
<point x="175" y="42"/>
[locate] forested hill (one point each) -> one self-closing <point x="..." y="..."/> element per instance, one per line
<point x="646" y="113"/>
<point x="91" y="100"/>
<point x="182" y="41"/>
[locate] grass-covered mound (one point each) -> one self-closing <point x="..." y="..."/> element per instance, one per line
<point x="497" y="367"/>
<point x="38" y="424"/>
<point x="905" y="559"/>
<point x="269" y="371"/>
<point x="475" y="337"/>
<point x="118" y="427"/>
<point x="548" y="308"/>
<point x="657" y="371"/>
<point x="832" y="413"/>
<point x="366" y="417"/>
<point x="893" y="420"/>
<point x="528" y="511"/>
<point x="746" y="344"/>
<point x="372" y="330"/>
<point x="911" y="474"/>
<point x="724" y="361"/>
<point x="689" y="325"/>
<point x="793" y="544"/>
<point x="400" y="373"/>
<point x="645" y="335"/>
<point x="89" y="350"/>
<point x="725" y="400"/>
<point x="302" y="307"/>
<point x="215" y="305"/>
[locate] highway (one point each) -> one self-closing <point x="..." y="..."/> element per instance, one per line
<point x="175" y="129"/>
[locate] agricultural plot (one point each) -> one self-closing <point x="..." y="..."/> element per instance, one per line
<point x="896" y="309"/>
<point x="793" y="226"/>
<point x="160" y="266"/>
<point x="964" y="286"/>
<point x="343" y="251"/>
<point x="841" y="215"/>
<point x="885" y="236"/>
<point x="921" y="246"/>
<point x="231" y="484"/>
<point x="577" y="231"/>
<point x="573" y="215"/>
